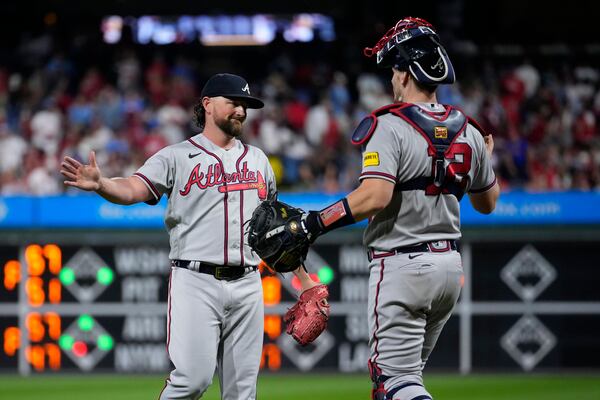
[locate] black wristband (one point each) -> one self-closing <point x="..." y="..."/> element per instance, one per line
<point x="336" y="216"/>
<point x="313" y="225"/>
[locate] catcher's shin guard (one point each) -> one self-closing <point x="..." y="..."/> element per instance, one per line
<point x="378" y="392"/>
<point x="405" y="390"/>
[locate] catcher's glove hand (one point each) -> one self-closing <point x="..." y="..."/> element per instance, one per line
<point x="307" y="319"/>
<point x="277" y="234"/>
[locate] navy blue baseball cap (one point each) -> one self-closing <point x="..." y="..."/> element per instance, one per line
<point x="230" y="86"/>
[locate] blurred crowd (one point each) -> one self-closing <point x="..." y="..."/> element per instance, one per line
<point x="544" y="120"/>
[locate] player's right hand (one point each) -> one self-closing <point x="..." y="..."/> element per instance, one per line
<point x="82" y="176"/>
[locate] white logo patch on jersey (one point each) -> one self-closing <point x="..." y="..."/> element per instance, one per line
<point x="246" y="89"/>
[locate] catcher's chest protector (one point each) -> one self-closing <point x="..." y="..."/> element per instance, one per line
<point x="439" y="130"/>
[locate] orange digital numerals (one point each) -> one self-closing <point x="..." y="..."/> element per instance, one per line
<point x="36" y="355"/>
<point x="271" y="290"/>
<point x="273" y="326"/>
<point x="36" y="326"/>
<point x="271" y="357"/>
<point x="12" y="274"/>
<point x="12" y="340"/>
<point x="40" y="327"/>
<point x="38" y="258"/>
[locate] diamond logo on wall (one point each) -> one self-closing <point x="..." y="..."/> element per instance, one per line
<point x="306" y="360"/>
<point x="86" y="342"/>
<point x="86" y="275"/>
<point x="528" y="273"/>
<point x="528" y="342"/>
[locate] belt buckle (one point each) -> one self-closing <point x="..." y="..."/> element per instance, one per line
<point x="221" y="273"/>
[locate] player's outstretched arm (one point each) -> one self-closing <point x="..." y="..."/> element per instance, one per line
<point x="372" y="196"/>
<point x="116" y="190"/>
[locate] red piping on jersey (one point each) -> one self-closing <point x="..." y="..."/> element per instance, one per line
<point x="242" y="261"/>
<point x="153" y="189"/>
<point x="237" y="168"/>
<point x="225" y="247"/>
<point x="377" y="173"/>
<point x="375" y="338"/>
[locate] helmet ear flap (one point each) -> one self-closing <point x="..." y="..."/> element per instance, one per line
<point x="433" y="68"/>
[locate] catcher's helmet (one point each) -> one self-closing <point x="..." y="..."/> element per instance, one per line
<point x="413" y="45"/>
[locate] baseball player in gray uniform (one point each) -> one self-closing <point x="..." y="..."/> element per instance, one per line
<point x="213" y="182"/>
<point x="419" y="159"/>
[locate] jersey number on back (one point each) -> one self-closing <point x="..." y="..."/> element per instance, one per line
<point x="458" y="159"/>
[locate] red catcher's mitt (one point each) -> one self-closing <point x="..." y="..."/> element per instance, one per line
<point x="308" y="317"/>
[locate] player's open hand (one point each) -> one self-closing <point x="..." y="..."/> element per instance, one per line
<point x="82" y="176"/>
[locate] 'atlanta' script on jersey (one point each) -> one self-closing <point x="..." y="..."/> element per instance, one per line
<point x="244" y="179"/>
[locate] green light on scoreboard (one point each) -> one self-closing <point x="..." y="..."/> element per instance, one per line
<point x="325" y="275"/>
<point x="105" y="342"/>
<point x="66" y="342"/>
<point x="105" y="276"/>
<point x="85" y="322"/>
<point x="66" y="276"/>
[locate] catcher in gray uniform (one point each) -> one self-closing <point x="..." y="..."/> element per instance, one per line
<point x="419" y="159"/>
<point x="213" y="182"/>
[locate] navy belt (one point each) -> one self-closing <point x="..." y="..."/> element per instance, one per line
<point x="439" y="246"/>
<point x="220" y="272"/>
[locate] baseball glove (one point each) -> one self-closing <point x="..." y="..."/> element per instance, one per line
<point x="307" y="319"/>
<point x="277" y="236"/>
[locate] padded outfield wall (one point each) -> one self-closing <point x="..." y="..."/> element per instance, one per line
<point x="84" y="287"/>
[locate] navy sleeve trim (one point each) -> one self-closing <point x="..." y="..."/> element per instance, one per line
<point x="381" y="175"/>
<point x="485" y="188"/>
<point x="152" y="188"/>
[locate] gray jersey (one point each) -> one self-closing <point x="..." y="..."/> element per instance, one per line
<point x="399" y="153"/>
<point x="212" y="192"/>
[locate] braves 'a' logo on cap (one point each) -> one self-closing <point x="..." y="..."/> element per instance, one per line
<point x="246" y="89"/>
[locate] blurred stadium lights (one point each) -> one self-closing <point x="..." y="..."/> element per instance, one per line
<point x="220" y="30"/>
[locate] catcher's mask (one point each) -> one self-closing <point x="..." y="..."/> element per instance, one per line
<point x="413" y="45"/>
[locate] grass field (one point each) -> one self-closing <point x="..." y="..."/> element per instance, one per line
<point x="306" y="387"/>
